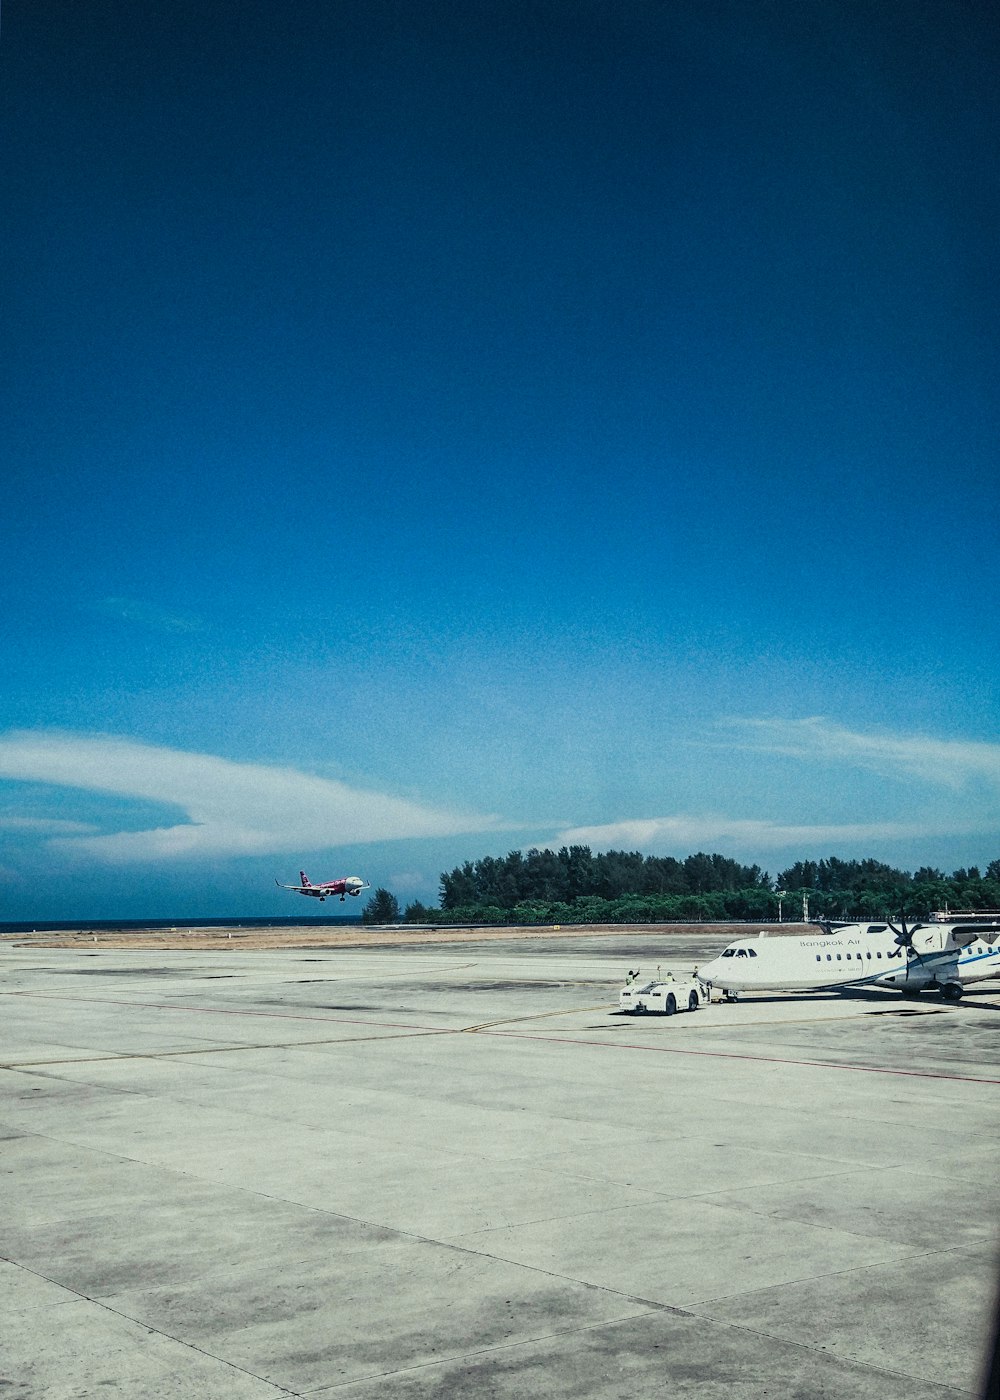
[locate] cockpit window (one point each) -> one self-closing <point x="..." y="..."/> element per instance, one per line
<point x="729" y="953"/>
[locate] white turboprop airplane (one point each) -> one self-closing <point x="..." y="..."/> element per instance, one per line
<point x="910" y="958"/>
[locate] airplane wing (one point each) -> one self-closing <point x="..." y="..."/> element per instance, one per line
<point x="298" y="888"/>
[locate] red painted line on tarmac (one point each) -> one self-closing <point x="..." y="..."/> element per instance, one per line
<point x="521" y="1035"/>
<point x="735" y="1055"/>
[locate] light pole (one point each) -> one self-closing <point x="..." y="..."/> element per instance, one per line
<point x="781" y="894"/>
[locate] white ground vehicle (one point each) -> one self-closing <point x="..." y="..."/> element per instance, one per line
<point x="666" y="995"/>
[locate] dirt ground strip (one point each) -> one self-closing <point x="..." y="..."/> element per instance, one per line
<point x="355" y="936"/>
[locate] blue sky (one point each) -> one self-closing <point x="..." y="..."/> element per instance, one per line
<point x="433" y="430"/>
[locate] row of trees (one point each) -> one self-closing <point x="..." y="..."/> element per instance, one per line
<point x="574" y="886"/>
<point x="574" y="872"/>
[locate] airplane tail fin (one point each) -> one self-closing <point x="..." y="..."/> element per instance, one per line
<point x="303" y="877"/>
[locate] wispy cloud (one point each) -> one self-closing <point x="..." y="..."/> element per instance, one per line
<point x="950" y="763"/>
<point x="681" y="834"/>
<point x="955" y="765"/>
<point x="147" y="615"/>
<point x="45" y="826"/>
<point x="231" y="808"/>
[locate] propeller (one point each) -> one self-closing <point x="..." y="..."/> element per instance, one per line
<point x="904" y="939"/>
<point x="904" y="935"/>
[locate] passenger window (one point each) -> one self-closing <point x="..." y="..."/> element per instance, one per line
<point x="839" y="959"/>
<point x="878" y="955"/>
<point x="829" y="958"/>
<point x="869" y="955"/>
<point x="818" y="958"/>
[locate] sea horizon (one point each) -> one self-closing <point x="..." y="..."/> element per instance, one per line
<point x="229" y="921"/>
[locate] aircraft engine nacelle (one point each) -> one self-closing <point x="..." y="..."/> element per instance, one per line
<point x="916" y="976"/>
<point x="942" y="940"/>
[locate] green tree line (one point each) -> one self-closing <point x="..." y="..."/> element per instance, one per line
<point x="575" y="886"/>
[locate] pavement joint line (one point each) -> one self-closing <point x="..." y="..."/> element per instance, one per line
<point x="643" y="1306"/>
<point x="918" y="1252"/>
<point x="147" y="1327"/>
<point x="645" y="1309"/>
<point x="690" y="1310"/>
<point x="822" y="1351"/>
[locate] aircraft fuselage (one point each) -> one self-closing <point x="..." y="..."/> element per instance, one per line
<point x="943" y="957"/>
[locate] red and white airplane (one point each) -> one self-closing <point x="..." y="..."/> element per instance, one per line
<point x="348" y="884"/>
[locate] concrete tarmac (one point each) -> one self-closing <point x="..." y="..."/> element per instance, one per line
<point x="457" y="1171"/>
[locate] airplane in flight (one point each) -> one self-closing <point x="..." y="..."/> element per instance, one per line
<point x="348" y="884"/>
<point x="912" y="958"/>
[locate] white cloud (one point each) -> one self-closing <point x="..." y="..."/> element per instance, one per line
<point x="231" y="808"/>
<point x="951" y="763"/>
<point x="149" y="615"/>
<point x="682" y="834"/>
